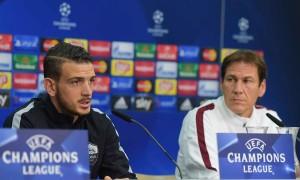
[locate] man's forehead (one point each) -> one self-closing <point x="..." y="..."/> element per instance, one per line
<point x="241" y="69"/>
<point x="77" y="69"/>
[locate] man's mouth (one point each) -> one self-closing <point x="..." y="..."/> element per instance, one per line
<point x="85" y="103"/>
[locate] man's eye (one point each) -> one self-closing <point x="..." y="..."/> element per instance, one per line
<point x="229" y="79"/>
<point x="75" y="82"/>
<point x="248" y="81"/>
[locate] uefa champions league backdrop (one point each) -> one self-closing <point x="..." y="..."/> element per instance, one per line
<point x="154" y="60"/>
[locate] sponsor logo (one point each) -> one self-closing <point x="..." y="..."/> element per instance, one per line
<point x="208" y="88"/>
<point x="5" y="42"/>
<point x="167" y="52"/>
<point x="5" y="80"/>
<point x="4" y="99"/>
<point x="101" y="66"/>
<point x="143" y="103"/>
<point x="145" y="50"/>
<point x="121" y="102"/>
<point x="101" y="84"/>
<point x="25" y="81"/>
<point x="166" y="69"/>
<point x="5" y="61"/>
<point x="209" y="54"/>
<point x="243" y="36"/>
<point x="187" y="87"/>
<point x="165" y="103"/>
<point x="25" y="62"/>
<point x="41" y="62"/>
<point x="121" y="85"/>
<point x="93" y="153"/>
<point x="226" y="52"/>
<point x="77" y="42"/>
<point x="188" y="70"/>
<point x="144" y="68"/>
<point x="23" y="42"/>
<point x="21" y="97"/>
<point x="165" y="86"/>
<point x="209" y="71"/>
<point x="101" y="100"/>
<point x="121" y="67"/>
<point x="158" y="19"/>
<point x="100" y="48"/>
<point x="64" y="23"/>
<point x="122" y="50"/>
<point x="48" y="43"/>
<point x="188" y="52"/>
<point x="186" y="104"/>
<point x="144" y="86"/>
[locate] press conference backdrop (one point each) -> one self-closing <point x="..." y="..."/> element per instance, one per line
<point x="154" y="60"/>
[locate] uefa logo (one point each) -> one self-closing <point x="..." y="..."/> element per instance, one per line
<point x="65" y="9"/>
<point x="255" y="143"/>
<point x="39" y="141"/>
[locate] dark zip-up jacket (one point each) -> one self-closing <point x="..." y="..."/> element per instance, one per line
<point x="107" y="157"/>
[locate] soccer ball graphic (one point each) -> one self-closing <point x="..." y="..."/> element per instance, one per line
<point x="65" y="9"/>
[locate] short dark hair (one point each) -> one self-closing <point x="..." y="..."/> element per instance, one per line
<point x="246" y="56"/>
<point x="61" y="53"/>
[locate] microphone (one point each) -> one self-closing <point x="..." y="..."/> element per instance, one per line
<point x="278" y="122"/>
<point x="131" y="120"/>
<point x="275" y="120"/>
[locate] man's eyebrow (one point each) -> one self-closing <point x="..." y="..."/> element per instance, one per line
<point x="76" y="77"/>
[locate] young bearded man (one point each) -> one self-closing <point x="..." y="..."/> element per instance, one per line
<point x="68" y="80"/>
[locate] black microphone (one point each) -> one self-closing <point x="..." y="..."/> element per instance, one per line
<point x="278" y="122"/>
<point x="131" y="120"/>
<point x="275" y="120"/>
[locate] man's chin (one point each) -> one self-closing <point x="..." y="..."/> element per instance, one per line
<point x="83" y="112"/>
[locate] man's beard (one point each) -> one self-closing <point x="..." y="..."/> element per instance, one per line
<point x="64" y="106"/>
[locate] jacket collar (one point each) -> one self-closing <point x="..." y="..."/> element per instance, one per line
<point x="59" y="120"/>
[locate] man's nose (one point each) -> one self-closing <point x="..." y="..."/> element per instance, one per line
<point x="87" y="88"/>
<point x="238" y="87"/>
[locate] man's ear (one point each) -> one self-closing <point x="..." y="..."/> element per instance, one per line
<point x="262" y="88"/>
<point x="49" y="85"/>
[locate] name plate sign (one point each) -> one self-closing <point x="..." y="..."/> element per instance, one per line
<point x="43" y="154"/>
<point x="256" y="156"/>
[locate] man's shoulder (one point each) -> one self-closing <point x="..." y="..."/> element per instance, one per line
<point x="263" y="109"/>
<point x="31" y="109"/>
<point x="99" y="116"/>
<point x="205" y="105"/>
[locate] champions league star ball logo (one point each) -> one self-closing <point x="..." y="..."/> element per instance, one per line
<point x="243" y="36"/>
<point x="158" y="17"/>
<point x="65" y="9"/>
<point x="64" y="23"/>
<point x="243" y="24"/>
